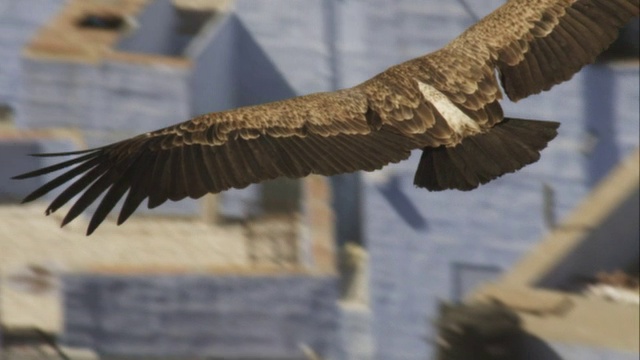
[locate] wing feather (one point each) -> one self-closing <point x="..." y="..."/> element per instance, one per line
<point x="159" y="188"/>
<point x="210" y="171"/>
<point x="198" y="179"/>
<point x="262" y="151"/>
<point x="327" y="133"/>
<point x="97" y="181"/>
<point x="111" y="198"/>
<point x="77" y="187"/>
<point x="535" y="44"/>
<point x="85" y="163"/>
<point x="584" y="30"/>
<point x="142" y="181"/>
<point x="180" y="186"/>
<point x="301" y="159"/>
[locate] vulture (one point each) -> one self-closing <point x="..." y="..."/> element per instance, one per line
<point x="445" y="103"/>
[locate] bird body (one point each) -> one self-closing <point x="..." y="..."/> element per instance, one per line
<point x="445" y="103"/>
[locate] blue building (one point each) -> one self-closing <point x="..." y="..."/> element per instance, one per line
<point x="421" y="247"/>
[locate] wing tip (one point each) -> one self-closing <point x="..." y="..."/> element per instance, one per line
<point x="91" y="229"/>
<point x="23" y="176"/>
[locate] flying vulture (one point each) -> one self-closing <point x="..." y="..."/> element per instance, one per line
<point x="444" y="103"/>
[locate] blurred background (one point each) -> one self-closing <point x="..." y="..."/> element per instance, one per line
<point x="541" y="264"/>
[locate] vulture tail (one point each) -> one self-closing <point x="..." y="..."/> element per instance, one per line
<point x="478" y="159"/>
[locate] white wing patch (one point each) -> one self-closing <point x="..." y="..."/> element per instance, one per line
<point x="458" y="121"/>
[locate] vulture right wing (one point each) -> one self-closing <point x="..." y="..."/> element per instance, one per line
<point x="534" y="44"/>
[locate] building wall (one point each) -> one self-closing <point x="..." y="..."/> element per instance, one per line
<point x="413" y="266"/>
<point x="215" y="70"/>
<point x="19" y="20"/>
<point x="222" y="316"/>
<point x="293" y="36"/>
<point x="157" y="31"/>
<point x="106" y="100"/>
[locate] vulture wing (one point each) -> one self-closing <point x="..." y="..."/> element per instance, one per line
<point x="445" y="103"/>
<point x="324" y="133"/>
<point x="533" y="45"/>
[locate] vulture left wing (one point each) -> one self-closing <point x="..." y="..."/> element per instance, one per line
<point x="325" y="133"/>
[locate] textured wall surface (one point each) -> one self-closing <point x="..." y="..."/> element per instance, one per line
<point x="223" y="316"/>
<point x="101" y="99"/>
<point x="294" y="37"/>
<point x="19" y="20"/>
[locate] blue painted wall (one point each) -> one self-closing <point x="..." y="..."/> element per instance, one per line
<point x="156" y="33"/>
<point x="412" y="267"/>
<point x="19" y="20"/>
<point x="294" y="37"/>
<point x="225" y="316"/>
<point x="215" y="68"/>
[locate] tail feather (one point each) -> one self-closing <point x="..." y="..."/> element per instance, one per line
<point x="507" y="147"/>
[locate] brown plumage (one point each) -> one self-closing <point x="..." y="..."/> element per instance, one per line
<point x="445" y="103"/>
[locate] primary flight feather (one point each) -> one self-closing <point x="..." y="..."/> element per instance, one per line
<point x="445" y="103"/>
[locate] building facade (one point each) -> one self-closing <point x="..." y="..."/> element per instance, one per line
<point x="422" y="247"/>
